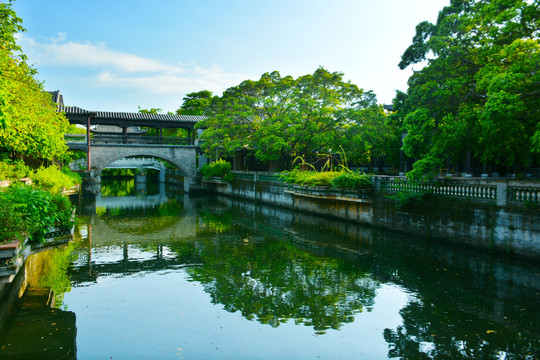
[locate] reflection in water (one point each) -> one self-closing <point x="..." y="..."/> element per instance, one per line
<point x="218" y="278"/>
<point x="38" y="328"/>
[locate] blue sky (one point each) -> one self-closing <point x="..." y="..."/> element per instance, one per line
<point x="116" y="55"/>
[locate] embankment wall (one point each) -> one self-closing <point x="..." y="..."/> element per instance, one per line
<point x="509" y="230"/>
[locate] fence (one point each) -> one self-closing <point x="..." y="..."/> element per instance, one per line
<point x="499" y="192"/>
<point x="258" y="176"/>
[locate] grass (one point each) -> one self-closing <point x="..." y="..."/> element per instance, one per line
<point x="337" y="179"/>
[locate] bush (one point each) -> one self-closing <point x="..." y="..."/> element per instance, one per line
<point x="352" y="180"/>
<point x="310" y="178"/>
<point x="346" y="178"/>
<point x="219" y="168"/>
<point x="74" y="176"/>
<point x="12" y="226"/>
<point x="14" y="171"/>
<point x="37" y="209"/>
<point x="54" y="180"/>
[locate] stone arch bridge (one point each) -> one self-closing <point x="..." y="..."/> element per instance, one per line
<point x="112" y="136"/>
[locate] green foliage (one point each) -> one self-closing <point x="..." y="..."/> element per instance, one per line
<point x="37" y="208"/>
<point x="404" y="197"/>
<point x="425" y="169"/>
<point x="56" y="275"/>
<point x="117" y="172"/>
<point x="13" y="170"/>
<point x="74" y="129"/>
<point x="220" y="168"/>
<point x="371" y="137"/>
<point x="352" y="180"/>
<point x="479" y="91"/>
<point x="54" y="180"/>
<point x="229" y="177"/>
<point x="12" y="226"/>
<point x="29" y="123"/>
<point x="10" y="24"/>
<point x="310" y="178"/>
<point x="195" y="103"/>
<point x="280" y="118"/>
<point x="343" y="179"/>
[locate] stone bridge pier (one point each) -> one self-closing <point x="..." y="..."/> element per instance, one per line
<point x="182" y="157"/>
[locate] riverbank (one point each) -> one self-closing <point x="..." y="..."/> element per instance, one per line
<point x="469" y="213"/>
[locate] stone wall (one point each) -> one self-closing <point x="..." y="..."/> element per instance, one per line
<point x="509" y="230"/>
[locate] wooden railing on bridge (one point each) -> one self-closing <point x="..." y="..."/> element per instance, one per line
<point x="127" y="140"/>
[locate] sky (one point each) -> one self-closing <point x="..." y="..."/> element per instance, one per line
<point x="118" y="55"/>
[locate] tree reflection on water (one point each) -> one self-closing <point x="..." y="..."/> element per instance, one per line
<point x="274" y="281"/>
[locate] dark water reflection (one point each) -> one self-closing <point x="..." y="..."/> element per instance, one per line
<point x="167" y="276"/>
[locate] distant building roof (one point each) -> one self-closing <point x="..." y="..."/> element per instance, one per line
<point x="57" y="98"/>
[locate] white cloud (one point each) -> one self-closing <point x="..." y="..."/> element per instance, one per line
<point x="114" y="69"/>
<point x="213" y="79"/>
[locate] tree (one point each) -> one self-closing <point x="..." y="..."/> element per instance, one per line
<point x="281" y="118"/>
<point x="372" y="137"/>
<point x="479" y="92"/>
<point x="29" y="123"/>
<point x="195" y="103"/>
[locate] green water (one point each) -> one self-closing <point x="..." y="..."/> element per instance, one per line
<point x="164" y="276"/>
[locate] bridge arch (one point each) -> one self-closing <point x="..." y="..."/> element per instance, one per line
<point x="183" y="158"/>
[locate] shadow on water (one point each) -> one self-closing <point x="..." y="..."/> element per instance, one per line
<point x="277" y="267"/>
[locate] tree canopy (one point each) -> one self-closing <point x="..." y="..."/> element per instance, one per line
<point x="281" y="118"/>
<point x="195" y="103"/>
<point x="29" y="123"/>
<point x="479" y="92"/>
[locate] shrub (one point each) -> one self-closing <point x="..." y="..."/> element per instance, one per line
<point x="74" y="176"/>
<point x="352" y="180"/>
<point x="310" y="178"/>
<point x="14" y="171"/>
<point x="37" y="209"/>
<point x="53" y="179"/>
<point x="219" y="168"/>
<point x="345" y="178"/>
<point x="12" y="226"/>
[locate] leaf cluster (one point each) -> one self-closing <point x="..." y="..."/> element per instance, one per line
<point x="54" y="179"/>
<point x="220" y="168"/>
<point x="29" y="123"/>
<point x="276" y="118"/>
<point x="479" y="91"/>
<point x="342" y="179"/>
<point x="36" y="209"/>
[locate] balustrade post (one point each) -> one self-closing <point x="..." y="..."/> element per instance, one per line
<point x="502" y="193"/>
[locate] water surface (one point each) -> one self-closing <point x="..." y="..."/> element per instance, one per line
<point x="164" y="276"/>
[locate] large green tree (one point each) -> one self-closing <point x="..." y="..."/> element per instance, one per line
<point x="371" y="137"/>
<point x="281" y="118"/>
<point x="195" y="103"/>
<point x="479" y="93"/>
<point x="29" y="123"/>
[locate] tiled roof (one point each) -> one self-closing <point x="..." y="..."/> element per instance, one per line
<point x="56" y="97"/>
<point x="74" y="110"/>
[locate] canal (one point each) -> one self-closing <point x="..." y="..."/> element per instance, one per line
<point x="155" y="274"/>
